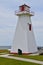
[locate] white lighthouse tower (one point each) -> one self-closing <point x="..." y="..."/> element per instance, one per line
<point x="24" y="36"/>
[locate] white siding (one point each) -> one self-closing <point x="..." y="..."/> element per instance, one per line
<point x="24" y="39"/>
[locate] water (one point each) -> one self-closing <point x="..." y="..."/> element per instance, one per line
<point x="5" y="47"/>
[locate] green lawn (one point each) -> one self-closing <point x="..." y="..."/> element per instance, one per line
<point x="4" y="51"/>
<point x="6" y="61"/>
<point x="36" y="57"/>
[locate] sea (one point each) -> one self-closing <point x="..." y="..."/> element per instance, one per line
<point x="5" y="47"/>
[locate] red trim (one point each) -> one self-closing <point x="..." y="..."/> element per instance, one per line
<point x="13" y="53"/>
<point x="26" y="53"/>
<point x="22" y="53"/>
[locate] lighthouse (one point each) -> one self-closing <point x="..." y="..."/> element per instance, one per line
<point x="24" y="38"/>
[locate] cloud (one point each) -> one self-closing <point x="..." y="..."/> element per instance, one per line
<point x="11" y="4"/>
<point x="38" y="19"/>
<point x="6" y="36"/>
<point x="7" y="25"/>
<point x="37" y="22"/>
<point x="7" y="18"/>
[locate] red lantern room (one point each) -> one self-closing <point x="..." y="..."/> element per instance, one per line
<point x="24" y="8"/>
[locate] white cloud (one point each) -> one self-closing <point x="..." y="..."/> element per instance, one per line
<point x="37" y="20"/>
<point x="7" y="26"/>
<point x="6" y="36"/>
<point x="7" y="18"/>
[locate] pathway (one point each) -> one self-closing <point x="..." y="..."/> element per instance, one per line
<point x="22" y="59"/>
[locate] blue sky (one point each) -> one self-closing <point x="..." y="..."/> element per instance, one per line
<point x="8" y="20"/>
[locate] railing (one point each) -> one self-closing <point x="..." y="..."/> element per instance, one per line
<point x="17" y="11"/>
<point x="30" y="12"/>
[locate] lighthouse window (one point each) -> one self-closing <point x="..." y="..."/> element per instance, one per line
<point x="30" y="27"/>
<point x="22" y="8"/>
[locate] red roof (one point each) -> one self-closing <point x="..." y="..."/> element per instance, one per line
<point x="25" y="5"/>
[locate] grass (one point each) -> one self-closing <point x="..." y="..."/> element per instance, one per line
<point x="36" y="57"/>
<point x="6" y="61"/>
<point x="4" y="51"/>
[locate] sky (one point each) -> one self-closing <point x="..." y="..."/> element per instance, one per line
<point x="8" y="20"/>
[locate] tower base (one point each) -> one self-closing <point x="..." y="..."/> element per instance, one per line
<point x="22" y="53"/>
